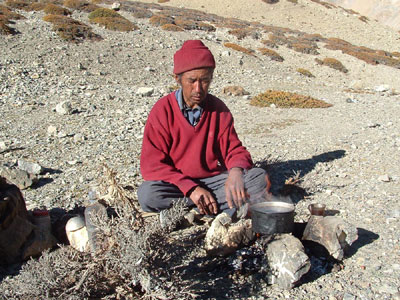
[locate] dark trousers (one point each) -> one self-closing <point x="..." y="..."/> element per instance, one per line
<point x="155" y="196"/>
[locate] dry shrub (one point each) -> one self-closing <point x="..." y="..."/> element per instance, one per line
<point x="5" y="29"/>
<point x="287" y="100"/>
<point x="304" y="48"/>
<point x="171" y="27"/>
<point x="189" y="24"/>
<point x="332" y="63"/>
<point x="69" y="29"/>
<point x="36" y="6"/>
<point x="18" y="4"/>
<point x="116" y="24"/>
<point x="205" y="27"/>
<point x="240" y="33"/>
<point x="53" y="9"/>
<point x="323" y="3"/>
<point x="270" y="44"/>
<point x="239" y="48"/>
<point x="142" y="13"/>
<point x="8" y="14"/>
<point x="104" y="13"/>
<point x="111" y="20"/>
<point x="278" y="39"/>
<point x="159" y="20"/>
<point x="305" y="72"/>
<point x="80" y="5"/>
<point x="271" y="53"/>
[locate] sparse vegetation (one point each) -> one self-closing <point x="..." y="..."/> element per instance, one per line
<point x="111" y="20"/>
<point x="69" y="29"/>
<point x="53" y="9"/>
<point x="239" y="48"/>
<point x="171" y="27"/>
<point x="271" y="53"/>
<point x="240" y="33"/>
<point x="287" y="100"/>
<point x="305" y="72"/>
<point x="332" y="63"/>
<point x="80" y="5"/>
<point x="306" y="48"/>
<point x="159" y="20"/>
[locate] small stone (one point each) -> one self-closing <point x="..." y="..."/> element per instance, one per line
<point x="30" y="167"/>
<point x="225" y="53"/>
<point x="3" y="146"/>
<point x="35" y="76"/>
<point x="64" y="108"/>
<point x="116" y="6"/>
<point x="348" y="296"/>
<point x="329" y="192"/>
<point x="79" y="138"/>
<point x="272" y="105"/>
<point x="145" y="91"/>
<point x="81" y="67"/>
<point x="61" y="134"/>
<point x="382" y="88"/>
<point x="384" y="178"/>
<point x="52" y="130"/>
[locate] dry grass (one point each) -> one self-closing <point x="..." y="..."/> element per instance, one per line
<point x="305" y="72"/>
<point x="305" y="48"/>
<point x="240" y="33"/>
<point x="8" y="14"/>
<point x="80" y="5"/>
<point x="171" y="27"/>
<point x="111" y="20"/>
<point x="160" y="20"/>
<point x="271" y="54"/>
<point x="332" y="63"/>
<point x="239" y="48"/>
<point x="53" y="9"/>
<point x="69" y="29"/>
<point x="18" y="4"/>
<point x="287" y="100"/>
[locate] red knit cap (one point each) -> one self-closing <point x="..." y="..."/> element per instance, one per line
<point x="193" y="55"/>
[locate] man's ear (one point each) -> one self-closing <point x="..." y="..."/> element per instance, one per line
<point x="177" y="79"/>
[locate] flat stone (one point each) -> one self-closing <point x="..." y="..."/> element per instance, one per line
<point x="333" y="233"/>
<point x="287" y="259"/>
<point x="145" y="91"/>
<point x="30" y="167"/>
<point x="384" y="178"/>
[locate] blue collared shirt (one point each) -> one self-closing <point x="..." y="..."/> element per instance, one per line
<point x="192" y="115"/>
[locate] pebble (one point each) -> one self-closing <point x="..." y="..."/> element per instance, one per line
<point x="3" y="146"/>
<point x="52" y="130"/>
<point x="384" y="178"/>
<point x="348" y="296"/>
<point x="116" y="6"/>
<point x="145" y="91"/>
<point x="64" y="108"/>
<point x="382" y="88"/>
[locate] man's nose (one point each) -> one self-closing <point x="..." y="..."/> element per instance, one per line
<point x="197" y="86"/>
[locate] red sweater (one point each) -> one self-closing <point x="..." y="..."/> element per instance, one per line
<point x="175" y="151"/>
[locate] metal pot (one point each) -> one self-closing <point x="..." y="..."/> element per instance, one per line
<point x="272" y="217"/>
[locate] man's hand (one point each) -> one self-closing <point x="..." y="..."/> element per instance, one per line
<point x="234" y="188"/>
<point x="204" y="201"/>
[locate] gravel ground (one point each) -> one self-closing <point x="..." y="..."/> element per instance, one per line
<point x="347" y="155"/>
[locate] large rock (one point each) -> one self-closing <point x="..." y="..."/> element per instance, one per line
<point x="287" y="260"/>
<point x="224" y="237"/>
<point x="333" y="233"/>
<point x="20" y="178"/>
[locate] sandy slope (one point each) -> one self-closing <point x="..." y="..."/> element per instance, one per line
<point x="306" y="15"/>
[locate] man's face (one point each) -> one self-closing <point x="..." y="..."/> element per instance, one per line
<point x="195" y="84"/>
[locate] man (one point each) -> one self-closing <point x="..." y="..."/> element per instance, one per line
<point x="190" y="147"/>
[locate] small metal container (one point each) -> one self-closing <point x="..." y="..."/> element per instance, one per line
<point x="272" y="217"/>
